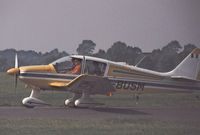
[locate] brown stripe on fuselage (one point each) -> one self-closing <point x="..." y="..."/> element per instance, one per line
<point x="133" y="73"/>
<point x="151" y="90"/>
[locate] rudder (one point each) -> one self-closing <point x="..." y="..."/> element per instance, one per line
<point x="189" y="67"/>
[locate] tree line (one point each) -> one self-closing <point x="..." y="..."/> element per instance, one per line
<point x="163" y="60"/>
<point x="7" y="58"/>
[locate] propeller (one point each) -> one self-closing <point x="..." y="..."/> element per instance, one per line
<point x="16" y="74"/>
<point x="16" y="61"/>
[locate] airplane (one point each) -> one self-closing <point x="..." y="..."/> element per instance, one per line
<point x="111" y="77"/>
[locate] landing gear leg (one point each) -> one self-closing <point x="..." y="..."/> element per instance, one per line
<point x="33" y="100"/>
<point x="86" y="101"/>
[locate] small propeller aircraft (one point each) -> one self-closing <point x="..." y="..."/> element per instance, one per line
<point x="86" y="75"/>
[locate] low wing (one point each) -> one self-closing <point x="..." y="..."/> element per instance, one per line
<point x="92" y="84"/>
<point x="60" y="84"/>
<point x="183" y="78"/>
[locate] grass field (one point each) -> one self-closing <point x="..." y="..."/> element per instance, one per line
<point x="117" y="126"/>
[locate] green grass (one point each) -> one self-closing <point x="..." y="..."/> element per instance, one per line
<point x="117" y="126"/>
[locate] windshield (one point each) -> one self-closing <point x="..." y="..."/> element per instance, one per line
<point x="62" y="63"/>
<point x="73" y="65"/>
<point x="63" y="59"/>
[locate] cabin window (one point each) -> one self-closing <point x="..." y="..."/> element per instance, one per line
<point x="68" y="65"/>
<point x="95" y="68"/>
<point x="62" y="63"/>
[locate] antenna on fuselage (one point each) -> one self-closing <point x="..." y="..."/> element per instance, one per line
<point x="137" y="64"/>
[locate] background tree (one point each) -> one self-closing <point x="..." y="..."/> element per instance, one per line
<point x="173" y="47"/>
<point x="163" y="60"/>
<point x="187" y="49"/>
<point x="151" y="60"/>
<point x="169" y="56"/>
<point x="86" y="47"/>
<point x="7" y="58"/>
<point x="100" y="54"/>
<point x="120" y="52"/>
<point x="133" y="55"/>
<point x="117" y="52"/>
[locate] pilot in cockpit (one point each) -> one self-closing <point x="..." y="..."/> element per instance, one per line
<point x="75" y="68"/>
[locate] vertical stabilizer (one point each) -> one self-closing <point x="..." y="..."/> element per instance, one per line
<point x="189" y="67"/>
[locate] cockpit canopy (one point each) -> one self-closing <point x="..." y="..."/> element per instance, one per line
<point x="62" y="63"/>
<point x="91" y="65"/>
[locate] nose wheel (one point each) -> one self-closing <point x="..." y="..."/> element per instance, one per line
<point x="33" y="100"/>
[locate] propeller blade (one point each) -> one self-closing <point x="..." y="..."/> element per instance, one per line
<point x="16" y="75"/>
<point x="16" y="61"/>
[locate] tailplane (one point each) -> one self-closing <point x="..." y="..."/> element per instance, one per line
<point x="189" y="68"/>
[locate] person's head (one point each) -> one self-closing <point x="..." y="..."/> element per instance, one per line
<point x="73" y="61"/>
<point x="76" y="61"/>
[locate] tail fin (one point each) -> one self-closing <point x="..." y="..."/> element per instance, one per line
<point x="189" y="67"/>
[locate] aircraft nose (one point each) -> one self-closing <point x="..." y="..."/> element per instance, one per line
<point x="13" y="71"/>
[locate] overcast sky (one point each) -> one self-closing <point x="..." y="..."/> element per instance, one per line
<point x="43" y="25"/>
